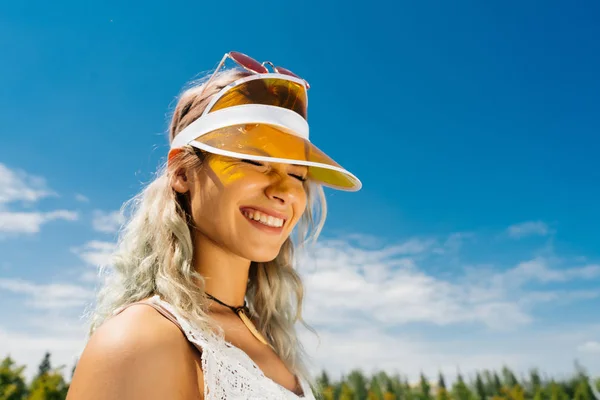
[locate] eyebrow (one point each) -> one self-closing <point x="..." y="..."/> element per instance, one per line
<point x="264" y="153"/>
<point x="261" y="151"/>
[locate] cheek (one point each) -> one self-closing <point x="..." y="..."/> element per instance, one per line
<point x="301" y="202"/>
<point x="207" y="200"/>
<point x="217" y="191"/>
<point x="224" y="172"/>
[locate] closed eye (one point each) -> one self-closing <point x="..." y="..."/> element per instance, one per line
<point x="253" y="162"/>
<point x="299" y="177"/>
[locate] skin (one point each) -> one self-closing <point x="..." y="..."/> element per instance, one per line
<point x="139" y="354"/>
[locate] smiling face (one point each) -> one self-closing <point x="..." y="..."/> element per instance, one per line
<point x="245" y="207"/>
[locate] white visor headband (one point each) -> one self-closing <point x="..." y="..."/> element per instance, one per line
<point x="239" y="115"/>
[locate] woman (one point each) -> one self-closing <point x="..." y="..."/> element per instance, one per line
<point x="203" y="298"/>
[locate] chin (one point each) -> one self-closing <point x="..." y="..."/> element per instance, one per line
<point x="261" y="255"/>
<point x="264" y="258"/>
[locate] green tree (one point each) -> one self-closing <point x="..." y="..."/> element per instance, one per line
<point x="323" y="379"/>
<point x="323" y="383"/>
<point x="12" y="382"/>
<point x="375" y="388"/>
<point x="581" y="385"/>
<point x="397" y="386"/>
<point x="337" y="388"/>
<point x="557" y="392"/>
<point x="358" y="383"/>
<point x="442" y="391"/>
<point x="407" y="391"/>
<point x="346" y="393"/>
<point x="510" y="380"/>
<point x="327" y="393"/>
<point x="534" y="387"/>
<point x="480" y="387"/>
<point x="535" y="379"/>
<point x="460" y="390"/>
<point x="489" y="381"/>
<point x="389" y="396"/>
<point x="45" y="365"/>
<point x="516" y="392"/>
<point x="49" y="383"/>
<point x="497" y="385"/>
<point x="51" y="386"/>
<point x="424" y="388"/>
<point x="583" y="391"/>
<point x="384" y="380"/>
<point x="539" y="394"/>
<point x="389" y="391"/>
<point x="441" y="381"/>
<point x="596" y="389"/>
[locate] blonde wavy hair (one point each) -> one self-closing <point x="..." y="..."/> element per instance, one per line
<point x="154" y="251"/>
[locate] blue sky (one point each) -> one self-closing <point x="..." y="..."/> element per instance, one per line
<point x="474" y="128"/>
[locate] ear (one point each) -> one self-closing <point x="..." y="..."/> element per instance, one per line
<point x="180" y="181"/>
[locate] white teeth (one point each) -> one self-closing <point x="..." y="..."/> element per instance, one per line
<point x="268" y="220"/>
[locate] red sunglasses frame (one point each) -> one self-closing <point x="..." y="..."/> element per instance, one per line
<point x="251" y="65"/>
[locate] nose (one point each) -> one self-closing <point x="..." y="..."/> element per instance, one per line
<point x="282" y="189"/>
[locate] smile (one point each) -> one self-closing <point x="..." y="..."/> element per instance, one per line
<point x="263" y="218"/>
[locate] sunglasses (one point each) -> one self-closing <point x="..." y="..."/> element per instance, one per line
<point x="251" y="65"/>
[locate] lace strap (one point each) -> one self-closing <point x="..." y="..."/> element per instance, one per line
<point x="152" y="302"/>
<point x="163" y="311"/>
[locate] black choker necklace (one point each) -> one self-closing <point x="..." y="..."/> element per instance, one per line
<point x="234" y="309"/>
<point x="241" y="312"/>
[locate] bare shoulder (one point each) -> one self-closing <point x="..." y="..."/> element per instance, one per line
<point x="137" y="354"/>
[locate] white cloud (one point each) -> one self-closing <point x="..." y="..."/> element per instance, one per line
<point x="529" y="228"/>
<point x="95" y="252"/>
<point x="28" y="349"/>
<point x="50" y="296"/>
<point x="558" y="297"/>
<point x="453" y="243"/>
<point x="384" y="287"/>
<point x="364" y="301"/>
<point x="107" y="222"/>
<point x="89" y="277"/>
<point x="44" y="317"/>
<point x="31" y="222"/>
<point x="538" y="270"/>
<point x="372" y="348"/>
<point x="18" y="186"/>
<point x="81" y="198"/>
<point x="590" y="347"/>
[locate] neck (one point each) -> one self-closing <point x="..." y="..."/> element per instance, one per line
<point x="225" y="274"/>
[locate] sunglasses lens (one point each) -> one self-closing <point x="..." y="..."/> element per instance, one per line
<point x="248" y="62"/>
<point x="286" y="71"/>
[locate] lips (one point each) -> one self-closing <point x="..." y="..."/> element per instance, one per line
<point x="267" y="218"/>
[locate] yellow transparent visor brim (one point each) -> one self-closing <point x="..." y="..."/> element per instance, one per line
<point x="268" y="143"/>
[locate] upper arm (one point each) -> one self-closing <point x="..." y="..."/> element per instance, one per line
<point x="137" y="354"/>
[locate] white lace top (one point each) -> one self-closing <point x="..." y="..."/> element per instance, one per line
<point x="229" y="373"/>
